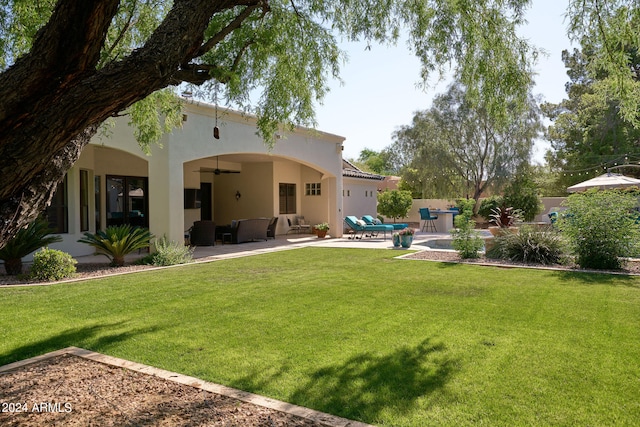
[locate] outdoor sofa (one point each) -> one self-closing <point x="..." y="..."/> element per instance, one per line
<point x="248" y="230"/>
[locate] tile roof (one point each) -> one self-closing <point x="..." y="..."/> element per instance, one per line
<point x="352" y="171"/>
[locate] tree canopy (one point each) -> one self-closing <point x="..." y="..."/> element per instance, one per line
<point x="69" y="65"/>
<point x="458" y="147"/>
<point x="588" y="134"/>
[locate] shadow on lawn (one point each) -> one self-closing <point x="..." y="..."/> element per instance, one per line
<point x="585" y="276"/>
<point x="366" y="385"/>
<point x="89" y="337"/>
<point x="593" y="278"/>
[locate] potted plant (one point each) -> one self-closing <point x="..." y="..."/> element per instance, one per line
<point x="406" y="237"/>
<point x="321" y="229"/>
<point x="504" y="218"/>
<point x="395" y="238"/>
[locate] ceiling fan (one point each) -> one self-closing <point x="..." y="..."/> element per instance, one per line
<point x="218" y="171"/>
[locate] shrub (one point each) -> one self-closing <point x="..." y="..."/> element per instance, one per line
<point x="169" y="253"/>
<point x="117" y="241"/>
<point x="522" y="194"/>
<point x="27" y="240"/>
<point x="465" y="239"/>
<point x="51" y="264"/>
<point x="601" y="227"/>
<point x="529" y="245"/>
<point x="394" y="204"/>
<point x="488" y="205"/>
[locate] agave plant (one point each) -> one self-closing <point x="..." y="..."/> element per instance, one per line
<point x="117" y="241"/>
<point x="33" y="237"/>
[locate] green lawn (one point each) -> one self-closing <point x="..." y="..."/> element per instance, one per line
<point x="364" y="336"/>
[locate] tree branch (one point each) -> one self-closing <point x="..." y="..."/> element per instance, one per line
<point x="233" y="25"/>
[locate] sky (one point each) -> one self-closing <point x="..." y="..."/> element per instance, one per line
<point x="379" y="91"/>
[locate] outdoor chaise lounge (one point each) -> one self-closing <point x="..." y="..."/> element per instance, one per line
<point x="375" y="221"/>
<point x="359" y="226"/>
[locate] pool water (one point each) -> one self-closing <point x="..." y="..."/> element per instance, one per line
<point x="439" y="244"/>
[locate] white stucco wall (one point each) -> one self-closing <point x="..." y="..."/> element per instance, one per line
<point x="298" y="157"/>
<point x="360" y="197"/>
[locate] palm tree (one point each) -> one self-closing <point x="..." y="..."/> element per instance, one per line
<point x="27" y="240"/>
<point x="117" y="241"/>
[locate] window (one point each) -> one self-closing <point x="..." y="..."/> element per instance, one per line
<point x="287" y="198"/>
<point x="84" y="200"/>
<point x="312" y="189"/>
<point x="57" y="212"/>
<point x="127" y="201"/>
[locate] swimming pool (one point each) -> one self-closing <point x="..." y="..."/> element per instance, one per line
<point x="440" y="244"/>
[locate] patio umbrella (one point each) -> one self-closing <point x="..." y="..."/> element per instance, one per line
<point x="607" y="181"/>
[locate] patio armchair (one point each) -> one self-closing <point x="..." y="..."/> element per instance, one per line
<point x="370" y="220"/>
<point x="299" y="225"/>
<point x="203" y="233"/>
<point x="271" y="228"/>
<point x="359" y="226"/>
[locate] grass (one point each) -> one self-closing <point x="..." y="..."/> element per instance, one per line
<point x="364" y="336"/>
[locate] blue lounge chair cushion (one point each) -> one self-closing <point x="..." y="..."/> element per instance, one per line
<point x="375" y="221"/>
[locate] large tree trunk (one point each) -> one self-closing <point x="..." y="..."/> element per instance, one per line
<point x="53" y="99"/>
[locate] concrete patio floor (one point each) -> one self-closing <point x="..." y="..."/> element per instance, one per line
<point x="284" y="242"/>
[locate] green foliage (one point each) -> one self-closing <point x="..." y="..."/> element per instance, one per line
<point x="51" y="264"/>
<point x="406" y="328"/>
<point x="117" y="241"/>
<point x="394" y="204"/>
<point x="27" y="240"/>
<point x="376" y="162"/>
<point x="470" y="148"/>
<point x="522" y="193"/>
<point x="465" y="239"/>
<point x="589" y="131"/>
<point x="529" y="245"/>
<point x="148" y="124"/>
<point x="323" y="226"/>
<point x="169" y="253"/>
<point x="488" y="206"/>
<point x="601" y="227"/>
<point x="608" y="34"/>
<point x="290" y="49"/>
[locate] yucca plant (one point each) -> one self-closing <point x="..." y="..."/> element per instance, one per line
<point x="117" y="241"/>
<point x="33" y="237"/>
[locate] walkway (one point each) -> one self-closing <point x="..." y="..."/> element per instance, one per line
<point x="283" y="242"/>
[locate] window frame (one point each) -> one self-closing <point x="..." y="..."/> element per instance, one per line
<point x="287" y="198"/>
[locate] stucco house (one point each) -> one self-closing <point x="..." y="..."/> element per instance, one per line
<point x="359" y="190"/>
<point x="194" y="176"/>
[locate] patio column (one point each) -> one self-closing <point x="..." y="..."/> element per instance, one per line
<point x="335" y="206"/>
<point x="166" y="194"/>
